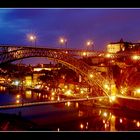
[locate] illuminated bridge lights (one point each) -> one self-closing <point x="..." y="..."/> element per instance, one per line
<point x="106" y="86"/>
<point x="112" y="98"/>
<point x="123" y="90"/>
<point x="91" y="75"/>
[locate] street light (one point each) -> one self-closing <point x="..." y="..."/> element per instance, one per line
<point x="32" y="38"/>
<point x="63" y="41"/>
<point x="89" y="44"/>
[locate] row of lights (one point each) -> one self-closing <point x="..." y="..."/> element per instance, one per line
<point x="133" y="57"/>
<point x="62" y="40"/>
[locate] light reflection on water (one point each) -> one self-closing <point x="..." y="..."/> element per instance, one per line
<point x="96" y="122"/>
<point x="71" y="116"/>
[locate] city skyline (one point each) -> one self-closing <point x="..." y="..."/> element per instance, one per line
<point x="80" y="90"/>
<point x="77" y="25"/>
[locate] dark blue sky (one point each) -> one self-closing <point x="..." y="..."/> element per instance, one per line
<point x="77" y="25"/>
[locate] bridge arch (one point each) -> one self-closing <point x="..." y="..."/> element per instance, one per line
<point x="89" y="74"/>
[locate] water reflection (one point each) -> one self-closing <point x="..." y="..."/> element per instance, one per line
<point x="2" y="88"/>
<point x="28" y="94"/>
<point x="81" y="126"/>
<point x="35" y="96"/>
<point x="52" y="98"/>
<point x="103" y="120"/>
<point x="138" y="124"/>
<point x="75" y="116"/>
<point x="80" y="113"/>
<point x="77" y="105"/>
<point x="121" y="120"/>
<point x="68" y="104"/>
<point x="17" y="101"/>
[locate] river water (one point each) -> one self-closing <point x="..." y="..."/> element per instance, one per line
<point x="72" y="116"/>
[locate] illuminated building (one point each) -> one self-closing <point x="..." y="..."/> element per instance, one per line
<point x="28" y="80"/>
<point x="39" y="71"/>
<point x="115" y="47"/>
<point x="49" y="69"/>
<point x="36" y="76"/>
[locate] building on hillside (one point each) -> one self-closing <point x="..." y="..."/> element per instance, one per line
<point x="115" y="47"/>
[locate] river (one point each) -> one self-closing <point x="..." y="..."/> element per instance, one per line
<point x="69" y="116"/>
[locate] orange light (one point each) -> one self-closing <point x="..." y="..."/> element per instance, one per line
<point x="32" y="37"/>
<point x="105" y="114"/>
<point x="68" y="103"/>
<point x="62" y="40"/>
<point x="105" y="125"/>
<point x="106" y="86"/>
<point x="81" y="91"/>
<point x="138" y="90"/>
<point x="53" y="93"/>
<point x="84" y="53"/>
<point x="113" y="117"/>
<point x="52" y="98"/>
<point x="112" y="98"/>
<point x="100" y="99"/>
<point x="68" y="92"/>
<point x="91" y="75"/>
<point x="121" y="120"/>
<point x="17" y="101"/>
<point x="81" y="126"/>
<point x="138" y="124"/>
<point x="135" y="57"/>
<point x="89" y="43"/>
<point x="108" y="55"/>
<point x="77" y="105"/>
<point x="18" y="96"/>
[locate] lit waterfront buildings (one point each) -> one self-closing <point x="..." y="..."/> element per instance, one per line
<point x="122" y="46"/>
<point x="110" y="66"/>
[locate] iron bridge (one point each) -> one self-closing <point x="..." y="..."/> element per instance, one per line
<point x="66" y="57"/>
